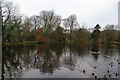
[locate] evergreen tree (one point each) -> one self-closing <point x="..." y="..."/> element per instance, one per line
<point x="96" y="33"/>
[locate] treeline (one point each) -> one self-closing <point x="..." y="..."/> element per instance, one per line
<point x="17" y="28"/>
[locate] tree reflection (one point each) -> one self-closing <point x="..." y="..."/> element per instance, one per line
<point x="48" y="58"/>
<point x="108" y="49"/>
<point x="79" y="50"/>
<point x="14" y="60"/>
<point x="45" y="57"/>
<point x="68" y="58"/>
<point x="95" y="50"/>
<point x="95" y="47"/>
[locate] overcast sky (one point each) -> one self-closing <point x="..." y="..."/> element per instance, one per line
<point x="89" y="12"/>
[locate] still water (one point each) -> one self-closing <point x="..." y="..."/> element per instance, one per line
<point x="60" y="61"/>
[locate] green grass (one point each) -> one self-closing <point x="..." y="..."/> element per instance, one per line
<point x="25" y="43"/>
<point x="20" y="43"/>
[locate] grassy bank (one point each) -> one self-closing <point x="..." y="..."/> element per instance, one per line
<point x="26" y="43"/>
<point x="21" y="43"/>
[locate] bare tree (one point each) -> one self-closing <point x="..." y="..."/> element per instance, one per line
<point x="7" y="11"/>
<point x="46" y="18"/>
<point x="35" y="20"/>
<point x="109" y="34"/>
<point x="70" y="23"/>
<point x="49" y="21"/>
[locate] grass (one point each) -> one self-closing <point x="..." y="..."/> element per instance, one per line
<point x="20" y="43"/>
<point x="25" y="43"/>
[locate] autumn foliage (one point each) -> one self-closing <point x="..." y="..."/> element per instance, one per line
<point x="40" y="37"/>
<point x="41" y="49"/>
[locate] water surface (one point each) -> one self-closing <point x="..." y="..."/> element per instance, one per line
<point x="60" y="61"/>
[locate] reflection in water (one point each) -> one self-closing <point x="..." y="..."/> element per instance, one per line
<point x="45" y="60"/>
<point x="95" y="47"/>
<point x="95" y="50"/>
<point x="59" y="61"/>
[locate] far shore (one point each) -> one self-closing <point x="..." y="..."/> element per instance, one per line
<point x="35" y="43"/>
